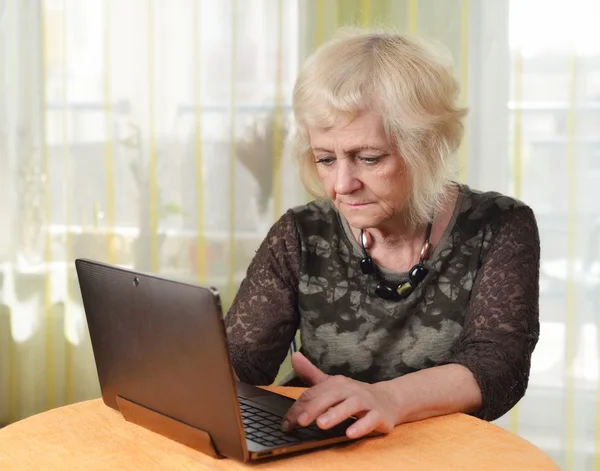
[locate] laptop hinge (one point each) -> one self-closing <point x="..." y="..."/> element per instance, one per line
<point x="167" y="426"/>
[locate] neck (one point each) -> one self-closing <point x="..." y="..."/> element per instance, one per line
<point x="398" y="235"/>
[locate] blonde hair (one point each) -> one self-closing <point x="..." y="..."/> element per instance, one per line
<point x="405" y="79"/>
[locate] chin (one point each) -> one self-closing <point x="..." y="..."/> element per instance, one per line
<point x="361" y="221"/>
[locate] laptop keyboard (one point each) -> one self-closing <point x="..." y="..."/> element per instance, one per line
<point x="265" y="428"/>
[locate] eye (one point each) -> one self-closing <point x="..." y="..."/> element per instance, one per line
<point x="325" y="160"/>
<point x="369" y="160"/>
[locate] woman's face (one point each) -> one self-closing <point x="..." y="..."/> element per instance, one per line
<point x="363" y="174"/>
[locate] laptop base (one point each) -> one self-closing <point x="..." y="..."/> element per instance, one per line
<point x="167" y="426"/>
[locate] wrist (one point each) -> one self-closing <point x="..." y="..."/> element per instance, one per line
<point x="396" y="402"/>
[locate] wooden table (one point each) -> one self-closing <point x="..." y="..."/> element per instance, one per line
<point x="91" y="436"/>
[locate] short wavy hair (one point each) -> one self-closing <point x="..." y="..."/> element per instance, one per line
<point x="405" y="79"/>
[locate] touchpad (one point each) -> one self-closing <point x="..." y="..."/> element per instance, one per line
<point x="266" y="398"/>
<point x="274" y="401"/>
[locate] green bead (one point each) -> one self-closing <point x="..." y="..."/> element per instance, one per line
<point x="404" y="289"/>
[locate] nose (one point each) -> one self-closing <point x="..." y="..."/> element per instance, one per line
<point x="346" y="180"/>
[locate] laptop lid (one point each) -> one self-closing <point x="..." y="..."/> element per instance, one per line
<point x="161" y="344"/>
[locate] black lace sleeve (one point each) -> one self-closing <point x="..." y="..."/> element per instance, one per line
<point x="502" y="321"/>
<point x="264" y="316"/>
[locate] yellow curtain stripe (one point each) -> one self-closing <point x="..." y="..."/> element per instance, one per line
<point x="320" y="30"/>
<point x="571" y="314"/>
<point x="517" y="170"/>
<point x="232" y="153"/>
<point x="518" y="125"/>
<point x="334" y="22"/>
<point x="199" y="161"/>
<point x="109" y="154"/>
<point x="365" y="13"/>
<point x="597" y="429"/>
<point x="67" y="185"/>
<point x="12" y="378"/>
<point x="464" y="82"/>
<point x="152" y="142"/>
<point x="47" y="208"/>
<point x="413" y="15"/>
<point x="320" y="23"/>
<point x="278" y="116"/>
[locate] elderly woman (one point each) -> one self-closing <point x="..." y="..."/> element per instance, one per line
<point x="415" y="295"/>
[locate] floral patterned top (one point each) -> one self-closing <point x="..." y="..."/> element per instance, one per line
<point x="477" y="306"/>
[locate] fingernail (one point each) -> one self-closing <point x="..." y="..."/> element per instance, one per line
<point x="351" y="432"/>
<point x="323" y="420"/>
<point x="303" y="419"/>
<point x="285" y="426"/>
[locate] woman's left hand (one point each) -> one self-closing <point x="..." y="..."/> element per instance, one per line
<point x="333" y="399"/>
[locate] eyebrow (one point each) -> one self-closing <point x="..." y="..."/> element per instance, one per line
<point x="353" y="150"/>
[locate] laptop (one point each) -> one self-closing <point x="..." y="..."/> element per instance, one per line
<point x="160" y="346"/>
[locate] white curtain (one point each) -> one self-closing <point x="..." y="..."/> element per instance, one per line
<point x="555" y="167"/>
<point x="148" y="133"/>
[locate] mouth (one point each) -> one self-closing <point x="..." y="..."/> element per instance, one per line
<point x="355" y="205"/>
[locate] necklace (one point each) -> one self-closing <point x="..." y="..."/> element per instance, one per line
<point x="416" y="274"/>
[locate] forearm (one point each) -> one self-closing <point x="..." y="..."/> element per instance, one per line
<point x="434" y="391"/>
<point x="263" y="318"/>
<point x="256" y="364"/>
<point x="260" y="329"/>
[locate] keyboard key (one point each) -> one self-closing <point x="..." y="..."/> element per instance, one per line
<point x="265" y="428"/>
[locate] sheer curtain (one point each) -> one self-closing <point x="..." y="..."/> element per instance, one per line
<point x="148" y="133"/>
<point x="555" y="155"/>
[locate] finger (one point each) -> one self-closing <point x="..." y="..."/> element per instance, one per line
<point x="371" y="421"/>
<point x="306" y="371"/>
<point x="340" y="412"/>
<point x="312" y="403"/>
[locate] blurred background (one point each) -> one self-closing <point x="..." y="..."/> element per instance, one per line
<point x="148" y="133"/>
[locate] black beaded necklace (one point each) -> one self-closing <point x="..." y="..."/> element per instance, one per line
<point x="416" y="274"/>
